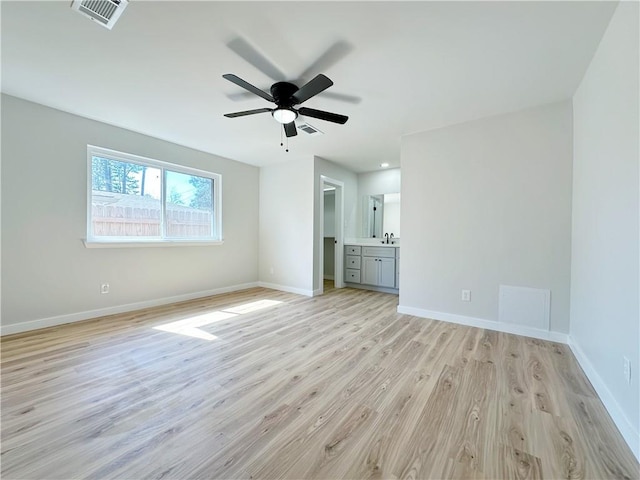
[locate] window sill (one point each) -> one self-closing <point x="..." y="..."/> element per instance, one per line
<point x="150" y="243"/>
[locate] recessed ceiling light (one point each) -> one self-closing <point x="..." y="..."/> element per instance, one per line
<point x="384" y="165"/>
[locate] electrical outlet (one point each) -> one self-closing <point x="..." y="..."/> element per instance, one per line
<point x="466" y="296"/>
<point x="627" y="370"/>
<point x="104" y="288"/>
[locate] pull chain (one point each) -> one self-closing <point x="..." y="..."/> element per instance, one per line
<point x="281" y="141"/>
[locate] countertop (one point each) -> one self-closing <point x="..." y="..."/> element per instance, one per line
<point x="371" y="244"/>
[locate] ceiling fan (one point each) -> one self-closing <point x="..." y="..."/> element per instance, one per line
<point x="286" y="96"/>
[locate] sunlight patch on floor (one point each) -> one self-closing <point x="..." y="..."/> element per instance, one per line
<point x="191" y="326"/>
<point x="252" y="306"/>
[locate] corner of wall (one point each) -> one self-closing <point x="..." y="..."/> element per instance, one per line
<point x="629" y="431"/>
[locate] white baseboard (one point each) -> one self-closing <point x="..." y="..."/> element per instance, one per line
<point x="488" y="324"/>
<point x="285" y="288"/>
<point x="629" y="432"/>
<point x="129" y="307"/>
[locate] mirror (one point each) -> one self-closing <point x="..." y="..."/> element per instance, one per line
<point x="381" y="215"/>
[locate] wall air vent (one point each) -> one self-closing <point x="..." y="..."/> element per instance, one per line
<point x="306" y="128"/>
<point x="104" y="12"/>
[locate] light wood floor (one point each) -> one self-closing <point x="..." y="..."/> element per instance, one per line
<point x="337" y="386"/>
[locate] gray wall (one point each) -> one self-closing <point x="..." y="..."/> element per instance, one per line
<point x="605" y="314"/>
<point x="286" y="226"/>
<point x="46" y="269"/>
<point x="330" y="213"/>
<point x="290" y="199"/>
<point x="487" y="203"/>
<point x="329" y="257"/>
<point x="329" y="233"/>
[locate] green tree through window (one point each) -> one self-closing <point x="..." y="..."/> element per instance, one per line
<point x="203" y="192"/>
<point x="115" y="176"/>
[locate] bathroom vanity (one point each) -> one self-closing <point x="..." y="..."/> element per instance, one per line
<point x="373" y="267"/>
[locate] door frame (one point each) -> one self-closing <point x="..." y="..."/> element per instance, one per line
<point x="338" y="276"/>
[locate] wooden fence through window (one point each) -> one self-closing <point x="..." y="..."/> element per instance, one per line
<point x="127" y="221"/>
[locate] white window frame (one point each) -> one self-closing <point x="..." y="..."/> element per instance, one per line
<point x="92" y="241"/>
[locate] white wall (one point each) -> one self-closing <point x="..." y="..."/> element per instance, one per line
<point x="287" y="226"/>
<point x="47" y="273"/>
<point x="487" y="203"/>
<point x="391" y="218"/>
<point x="605" y="313"/>
<point x="350" y="194"/>
<point x="378" y="182"/>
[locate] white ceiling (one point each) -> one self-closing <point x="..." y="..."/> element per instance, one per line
<point x="413" y="66"/>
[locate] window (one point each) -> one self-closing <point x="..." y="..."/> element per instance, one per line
<point x="135" y="200"/>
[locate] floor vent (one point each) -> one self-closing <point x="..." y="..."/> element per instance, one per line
<point x="529" y="307"/>
<point x="306" y="128"/>
<point x="104" y="12"/>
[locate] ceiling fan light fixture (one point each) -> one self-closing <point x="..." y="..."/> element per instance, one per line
<point x="284" y="115"/>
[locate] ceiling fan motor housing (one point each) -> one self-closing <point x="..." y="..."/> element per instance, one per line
<point x="282" y="93"/>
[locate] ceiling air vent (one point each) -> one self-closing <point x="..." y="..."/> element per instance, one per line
<point x="306" y="128"/>
<point x="104" y="12"/>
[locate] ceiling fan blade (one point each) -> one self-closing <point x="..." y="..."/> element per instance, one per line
<point x="240" y="96"/>
<point x="324" y="62"/>
<point x="246" y="51"/>
<point x="247" y="112"/>
<point x="247" y="86"/>
<point x="341" y="97"/>
<point x="313" y="87"/>
<point x="322" y="115"/>
<point x="290" y="129"/>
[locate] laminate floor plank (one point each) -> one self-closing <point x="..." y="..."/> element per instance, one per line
<point x="515" y="464"/>
<point x="553" y="439"/>
<point x="467" y="444"/>
<point x="268" y="384"/>
<point x="432" y="429"/>
<point x="605" y="451"/>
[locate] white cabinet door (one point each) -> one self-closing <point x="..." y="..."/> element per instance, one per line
<point x="387" y="268"/>
<point x="370" y="272"/>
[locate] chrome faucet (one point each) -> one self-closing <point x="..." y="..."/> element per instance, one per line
<point x="387" y="237"/>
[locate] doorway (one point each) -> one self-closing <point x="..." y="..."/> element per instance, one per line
<point x="331" y="233"/>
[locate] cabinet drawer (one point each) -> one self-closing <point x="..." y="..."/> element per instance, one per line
<point x="353" y="262"/>
<point x="379" y="252"/>
<point x="352" y="276"/>
<point x="352" y="250"/>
